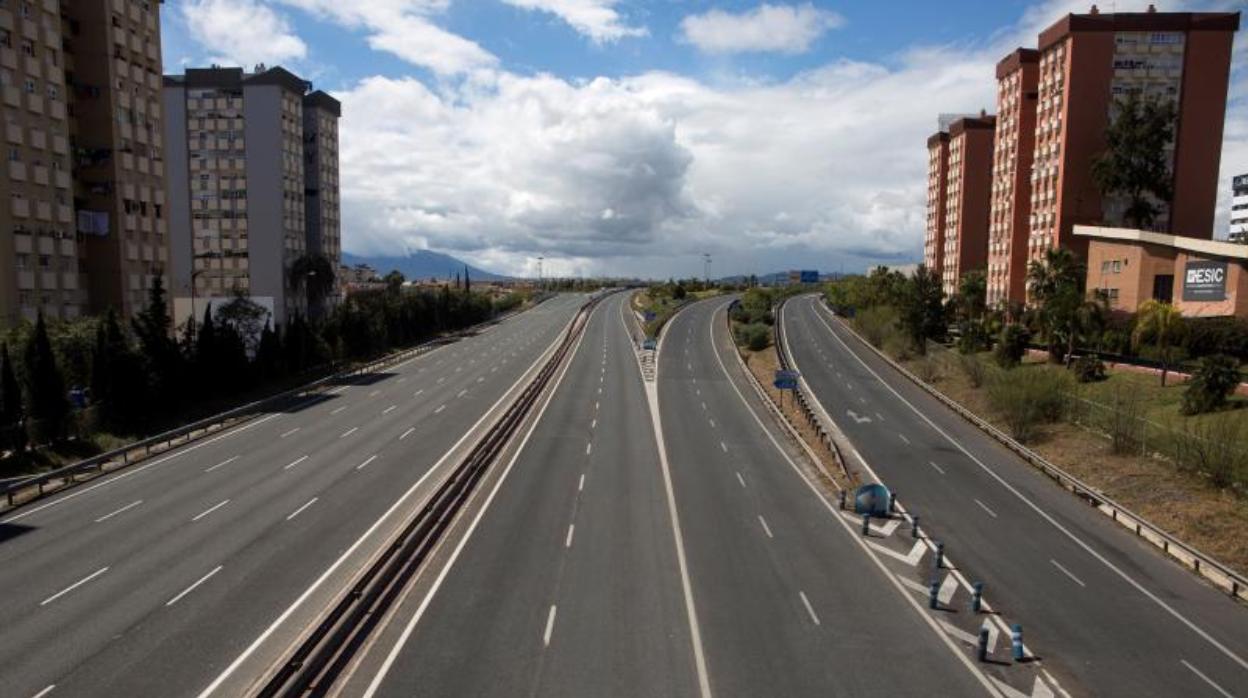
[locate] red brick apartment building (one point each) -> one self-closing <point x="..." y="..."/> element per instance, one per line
<point x="937" y="183"/>
<point x="967" y="199"/>
<point x="1011" y="177"/>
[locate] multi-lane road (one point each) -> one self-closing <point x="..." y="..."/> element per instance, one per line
<point x="1113" y="614"/>
<point x="639" y="537"/>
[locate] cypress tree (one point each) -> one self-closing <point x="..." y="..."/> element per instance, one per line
<point x="467" y="283"/>
<point x="11" y="432"/>
<point x="45" y="386"/>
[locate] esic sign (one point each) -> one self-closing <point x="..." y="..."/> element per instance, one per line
<point x="1204" y="281"/>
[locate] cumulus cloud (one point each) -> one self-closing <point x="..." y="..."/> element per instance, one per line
<point x="766" y="28"/>
<point x="242" y="32"/>
<point x="597" y="19"/>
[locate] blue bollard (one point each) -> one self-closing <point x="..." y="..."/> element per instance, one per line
<point x="933" y="595"/>
<point x="914" y="527"/>
<point x="977" y="597"/>
<point x="842" y="500"/>
<point x="982" y="650"/>
<point x="939" y="560"/>
<point x="1016" y="638"/>
<point x="866" y="524"/>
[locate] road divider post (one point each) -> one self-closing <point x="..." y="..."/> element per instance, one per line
<point x="866" y="524"/>
<point x="977" y="597"/>
<point x="914" y="527"/>
<point x="981" y="651"/>
<point x="1016" y="639"/>
<point x="939" y="560"/>
<point x="933" y="594"/>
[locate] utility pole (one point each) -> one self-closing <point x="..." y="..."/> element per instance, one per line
<point x="540" y="283"/>
<point x="706" y="267"/>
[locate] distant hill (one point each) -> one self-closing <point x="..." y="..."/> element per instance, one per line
<point x="421" y="264"/>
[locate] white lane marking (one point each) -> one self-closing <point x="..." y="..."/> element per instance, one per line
<point x="73" y="586"/>
<point x="209" y="510"/>
<point x="594" y="424"/>
<point x="285" y="434"/>
<point x="983" y="506"/>
<point x="809" y="609"/>
<point x="375" y="393"/>
<point x="595" y="406"/>
<point x="402" y="379"/>
<point x="223" y="463"/>
<point x="1067" y="573"/>
<point x="766" y="528"/>
<point x="418" y="392"/>
<point x="740" y="479"/>
<point x="389" y="409"/>
<point x="568" y="543"/>
<point x="494" y="369"/>
<point x="580" y="486"/>
<point x="588" y="447"/>
<point x="1206" y="679"/>
<point x="336" y="410"/>
<point x="712" y="423"/>
<point x="111" y="514"/>
<point x="349" y="432"/>
<point x="312" y="501"/>
<point x="903" y="438"/>
<point x="458" y="369"/>
<point x="1045" y="515"/>
<point x="600" y="390"/>
<point x="440" y="408"/>
<point x="407" y="433"/>
<point x="879" y="416"/>
<point x="295" y="462"/>
<point x="937" y="467"/>
<point x="550" y="627"/>
<point x="45" y="691"/>
<point x="462" y="393"/>
<point x="723" y="446"/>
<point x="441" y="379"/>
<point x="364" y="465"/>
<point x="480" y="379"/>
<point x="704" y="405"/>
<point x="192" y="587"/>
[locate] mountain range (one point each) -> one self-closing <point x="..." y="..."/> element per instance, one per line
<point x="421" y="264"/>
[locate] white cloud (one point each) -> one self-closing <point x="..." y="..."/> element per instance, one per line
<point x="779" y="28"/>
<point x="597" y="19"/>
<point x="242" y="32"/>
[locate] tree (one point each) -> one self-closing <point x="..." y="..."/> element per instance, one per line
<point x="1056" y="287"/>
<point x="467" y="283"/>
<point x="11" y="432"/>
<point x="1134" y="164"/>
<point x="922" y="307"/>
<point x="154" y="329"/>
<point x="314" y="274"/>
<point x="45" y="387"/>
<point x="246" y="317"/>
<point x="118" y="380"/>
<point x="394" y="281"/>
<point x="1214" y="380"/>
<point x="1160" y="327"/>
<point x="972" y="298"/>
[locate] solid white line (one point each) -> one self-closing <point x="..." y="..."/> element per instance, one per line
<point x="191" y="588"/>
<point x="766" y="528"/>
<point x="1067" y="573"/>
<point x="580" y="486"/>
<point x="407" y="433"/>
<point x="202" y="514"/>
<point x="110" y="515"/>
<point x="440" y="408"/>
<point x="349" y="432"/>
<point x="290" y="432"/>
<point x="336" y="410"/>
<point x="937" y="467"/>
<point x="1207" y="680"/>
<point x="44" y="692"/>
<point x="295" y="462"/>
<point x="1045" y="515"/>
<point x="568" y="542"/>
<point x="389" y="409"/>
<point x="809" y="609"/>
<point x="588" y="447"/>
<point x="983" y="506"/>
<point x="740" y="479"/>
<point x="73" y="586"/>
<point x="225" y="462"/>
<point x="363" y="465"/>
<point x="312" y="501"/>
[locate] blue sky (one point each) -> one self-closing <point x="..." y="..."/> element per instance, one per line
<point x="631" y="136"/>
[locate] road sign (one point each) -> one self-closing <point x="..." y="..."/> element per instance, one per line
<point x="786" y="380"/>
<point x="650" y="316"/>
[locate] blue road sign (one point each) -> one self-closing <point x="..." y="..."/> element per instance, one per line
<point x="650" y="316"/>
<point x="807" y="276"/>
<point x="786" y="380"/>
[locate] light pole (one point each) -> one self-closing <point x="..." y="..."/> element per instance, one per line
<point x="706" y="267"/>
<point x="540" y="281"/>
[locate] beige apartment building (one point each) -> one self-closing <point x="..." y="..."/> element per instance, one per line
<point x="1012" y="152"/>
<point x="252" y="169"/>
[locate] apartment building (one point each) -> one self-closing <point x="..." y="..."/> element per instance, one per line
<point x="937" y="190"/>
<point x="1239" y="209"/>
<point x="967" y="199"/>
<point x="1087" y="62"/>
<point x="113" y="69"/>
<point x="240" y="178"/>
<point x="1012" y="152"/>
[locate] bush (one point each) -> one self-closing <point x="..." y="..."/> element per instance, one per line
<point x="1029" y="398"/>
<point x="755" y="337"/>
<point x="1222" y="335"/>
<point x="1215" y="378"/>
<point x="877" y="324"/>
<point x="973" y="337"/>
<point x="1088" y="369"/>
<point x="975" y="370"/>
<point x="1011" y="345"/>
<point x="927" y="369"/>
<point x="1124" y="421"/>
<point x="1216" y="447"/>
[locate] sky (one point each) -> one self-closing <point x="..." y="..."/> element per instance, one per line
<point x="632" y="137"/>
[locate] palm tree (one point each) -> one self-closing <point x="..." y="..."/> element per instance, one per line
<point x="1056" y="287"/>
<point x="1161" y="325"/>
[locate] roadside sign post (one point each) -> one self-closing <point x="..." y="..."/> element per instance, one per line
<point x="785" y="380"/>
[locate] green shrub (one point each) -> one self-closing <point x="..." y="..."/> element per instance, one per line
<point x="877" y="324"/>
<point x="1124" y="420"/>
<point x="1011" y="345"/>
<point x="1088" y="369"/>
<point x="1216" y="447"/>
<point x="1215" y="378"/>
<point x="973" y="337"/>
<point x="755" y="337"/>
<point x="1027" y="399"/>
<point x="975" y="369"/>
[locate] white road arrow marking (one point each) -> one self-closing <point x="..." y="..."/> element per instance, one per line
<point x="1039" y="689"/>
<point x="916" y="553"/>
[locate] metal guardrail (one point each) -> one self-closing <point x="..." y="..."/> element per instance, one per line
<point x="322" y="656"/>
<point x="1217" y="573"/>
<point x="140" y="450"/>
